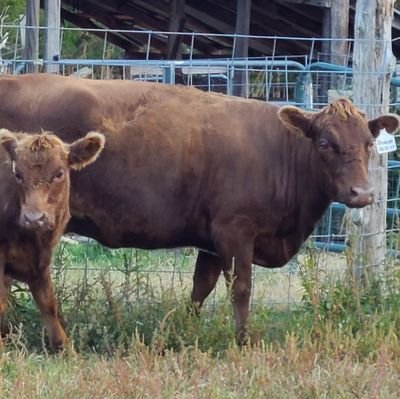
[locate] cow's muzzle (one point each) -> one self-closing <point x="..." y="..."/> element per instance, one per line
<point x="361" y="196"/>
<point x="33" y="219"/>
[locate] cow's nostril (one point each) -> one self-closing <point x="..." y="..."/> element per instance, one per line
<point x="361" y="196"/>
<point x="34" y="217"/>
<point x="361" y="191"/>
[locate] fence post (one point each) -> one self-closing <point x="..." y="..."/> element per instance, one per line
<point x="31" y="49"/>
<point x="52" y="33"/>
<point x="242" y="45"/>
<point x="373" y="64"/>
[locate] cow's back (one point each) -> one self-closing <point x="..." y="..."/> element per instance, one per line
<point x="68" y="106"/>
<point x="176" y="165"/>
<point x="175" y="157"/>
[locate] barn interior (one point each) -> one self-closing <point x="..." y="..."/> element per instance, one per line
<point x="282" y="18"/>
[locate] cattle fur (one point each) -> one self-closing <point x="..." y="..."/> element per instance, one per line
<point x="34" y="211"/>
<point x="187" y="168"/>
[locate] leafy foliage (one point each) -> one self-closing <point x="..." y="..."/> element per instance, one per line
<point x="14" y="8"/>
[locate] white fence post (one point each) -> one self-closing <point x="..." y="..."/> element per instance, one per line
<point x="52" y="49"/>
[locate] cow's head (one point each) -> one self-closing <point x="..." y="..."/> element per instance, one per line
<point x="41" y="164"/>
<point x="343" y="139"/>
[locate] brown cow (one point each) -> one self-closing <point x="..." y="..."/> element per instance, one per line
<point x="239" y="179"/>
<point x="34" y="210"/>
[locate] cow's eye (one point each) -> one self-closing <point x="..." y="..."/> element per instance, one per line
<point x="18" y="177"/>
<point x="58" y="176"/>
<point x="324" y="144"/>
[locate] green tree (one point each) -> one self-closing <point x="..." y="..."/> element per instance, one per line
<point x="10" y="14"/>
<point x="14" y="9"/>
<point x="83" y="44"/>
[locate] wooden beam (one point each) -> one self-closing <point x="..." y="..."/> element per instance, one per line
<point x="225" y="12"/>
<point x="106" y="19"/>
<point x="326" y="34"/>
<point x="286" y="15"/>
<point x="220" y="25"/>
<point x="241" y="48"/>
<point x="139" y="16"/>
<point x="208" y="16"/>
<point x="31" y="50"/>
<point x="242" y="28"/>
<point x="83" y="22"/>
<point x="339" y="30"/>
<point x="316" y="3"/>
<point x="202" y="43"/>
<point x="176" y="24"/>
<point x="195" y="22"/>
<point x="141" y="19"/>
<point x="52" y="10"/>
<point x="146" y="13"/>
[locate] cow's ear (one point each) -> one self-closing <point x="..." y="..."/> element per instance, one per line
<point x="390" y="122"/>
<point x="9" y="141"/>
<point x="84" y="151"/>
<point x="297" y="120"/>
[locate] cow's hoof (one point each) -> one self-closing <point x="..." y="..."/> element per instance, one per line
<point x="193" y="309"/>
<point x="58" y="344"/>
<point x="242" y="338"/>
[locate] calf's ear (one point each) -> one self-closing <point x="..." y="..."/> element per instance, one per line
<point x="390" y="122"/>
<point x="84" y="151"/>
<point x="296" y="120"/>
<point x="9" y="141"/>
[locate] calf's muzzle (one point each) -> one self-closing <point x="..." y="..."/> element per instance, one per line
<point x="33" y="219"/>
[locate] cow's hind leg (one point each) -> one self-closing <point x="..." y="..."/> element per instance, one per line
<point x="43" y="293"/>
<point x="207" y="270"/>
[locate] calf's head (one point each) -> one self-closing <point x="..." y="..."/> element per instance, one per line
<point x="343" y="139"/>
<point x="41" y="164"/>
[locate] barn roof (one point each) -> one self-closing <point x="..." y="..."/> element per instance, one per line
<point x="288" y="18"/>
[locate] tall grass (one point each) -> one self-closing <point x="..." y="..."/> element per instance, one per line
<point x="134" y="336"/>
<point x="104" y="311"/>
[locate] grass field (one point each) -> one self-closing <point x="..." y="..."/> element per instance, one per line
<point x="314" y="332"/>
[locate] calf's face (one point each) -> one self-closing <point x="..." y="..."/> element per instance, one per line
<point x="343" y="139"/>
<point x="41" y="165"/>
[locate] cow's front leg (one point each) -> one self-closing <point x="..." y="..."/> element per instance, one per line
<point x="5" y="283"/>
<point x="235" y="243"/>
<point x="43" y="294"/>
<point x="238" y="276"/>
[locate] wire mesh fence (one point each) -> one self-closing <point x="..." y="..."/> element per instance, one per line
<point x="307" y="80"/>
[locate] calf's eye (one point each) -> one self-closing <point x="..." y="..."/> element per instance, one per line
<point x="58" y="176"/>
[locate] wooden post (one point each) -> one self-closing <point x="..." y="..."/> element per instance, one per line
<point x="326" y="54"/>
<point x="176" y="24"/>
<point x="335" y="27"/>
<point x="31" y="50"/>
<point x="373" y="65"/>
<point x="326" y="34"/>
<point x="339" y="30"/>
<point x="52" y="9"/>
<point x="241" y="49"/>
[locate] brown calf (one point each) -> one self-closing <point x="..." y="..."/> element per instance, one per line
<point x="34" y="210"/>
